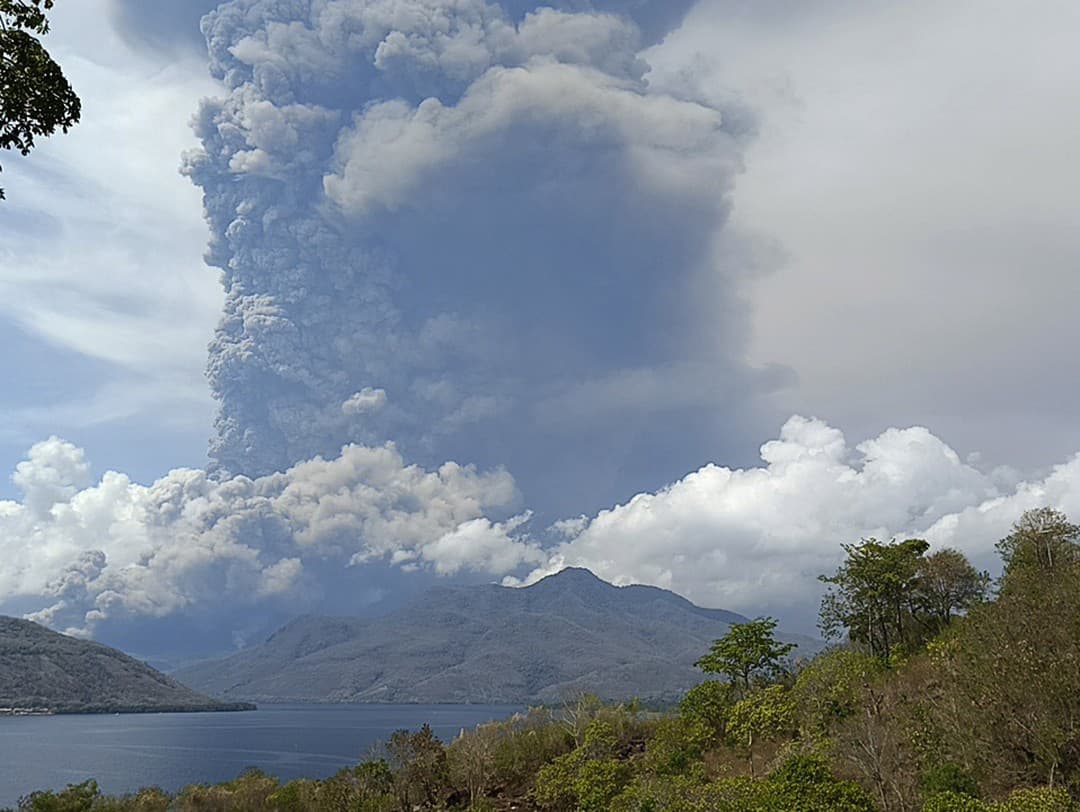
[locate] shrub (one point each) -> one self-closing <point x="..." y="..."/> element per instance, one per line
<point x="417" y="762"/>
<point x="588" y="778"/>
<point x="676" y="746"/>
<point x="669" y="793"/>
<point x="76" y="798"/>
<point x="804" y="783"/>
<point x="597" y="783"/>
<point x="948" y="777"/>
<point x="708" y="705"/>
<point x="524" y="744"/>
<point x="954" y="802"/>
<point x="1042" y="799"/>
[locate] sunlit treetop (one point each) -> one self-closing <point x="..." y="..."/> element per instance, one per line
<point x="35" y="97"/>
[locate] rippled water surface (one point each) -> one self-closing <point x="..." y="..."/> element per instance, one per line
<point x="173" y="749"/>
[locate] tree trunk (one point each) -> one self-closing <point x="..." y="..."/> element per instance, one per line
<point x="750" y="750"/>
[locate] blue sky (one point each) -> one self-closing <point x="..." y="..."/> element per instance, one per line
<point x="593" y="255"/>
<point x="106" y="303"/>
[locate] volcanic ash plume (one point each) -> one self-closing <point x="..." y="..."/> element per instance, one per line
<point x="472" y="228"/>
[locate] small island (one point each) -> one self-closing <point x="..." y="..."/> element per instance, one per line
<point x="43" y="672"/>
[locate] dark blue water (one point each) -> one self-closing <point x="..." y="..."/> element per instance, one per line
<point x="171" y="750"/>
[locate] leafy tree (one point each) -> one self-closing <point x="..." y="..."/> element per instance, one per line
<point x="598" y="781"/>
<point x="35" y="97"/>
<point x="874" y="740"/>
<point x="762" y="716"/>
<point x="676" y="746"/>
<point x="894" y="597"/>
<point x="555" y="783"/>
<point x="1042" y="541"/>
<point x="1003" y="697"/>
<point x="945" y="585"/>
<point x="368" y="787"/>
<point x="417" y="762"/>
<point x="832" y="687"/>
<point x="871" y="594"/>
<point x="471" y="762"/>
<point x="589" y="778"/>
<point x="149" y="799"/>
<point x="707" y="705"/>
<point x="295" y="796"/>
<point x="748" y="652"/>
<point x="577" y="715"/>
<point x="250" y="791"/>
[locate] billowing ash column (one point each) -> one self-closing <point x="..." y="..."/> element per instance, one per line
<point x="472" y="228"/>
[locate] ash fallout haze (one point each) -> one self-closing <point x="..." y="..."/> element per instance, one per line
<point x="504" y="287"/>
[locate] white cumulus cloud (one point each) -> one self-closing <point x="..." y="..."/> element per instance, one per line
<point x="756" y="539"/>
<point x="752" y="540"/>
<point x="366" y="400"/>
<point x="87" y="552"/>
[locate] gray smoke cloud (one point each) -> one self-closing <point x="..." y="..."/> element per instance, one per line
<point x="163" y="26"/>
<point x="486" y="214"/>
<point x="177" y="21"/>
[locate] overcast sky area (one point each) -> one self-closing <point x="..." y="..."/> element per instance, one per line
<point x="686" y="293"/>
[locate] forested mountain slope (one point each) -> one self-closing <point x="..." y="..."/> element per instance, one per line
<point x="46" y="670"/>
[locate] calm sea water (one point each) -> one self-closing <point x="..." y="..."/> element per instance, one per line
<point x="171" y="750"/>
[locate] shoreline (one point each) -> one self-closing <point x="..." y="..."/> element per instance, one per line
<point x="105" y="710"/>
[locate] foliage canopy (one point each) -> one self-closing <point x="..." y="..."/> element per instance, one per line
<point x="748" y="652"/>
<point x="892" y="597"/>
<point x="35" y="96"/>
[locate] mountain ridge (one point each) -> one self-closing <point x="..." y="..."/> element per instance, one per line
<point x="44" y="670"/>
<point x="567" y="633"/>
